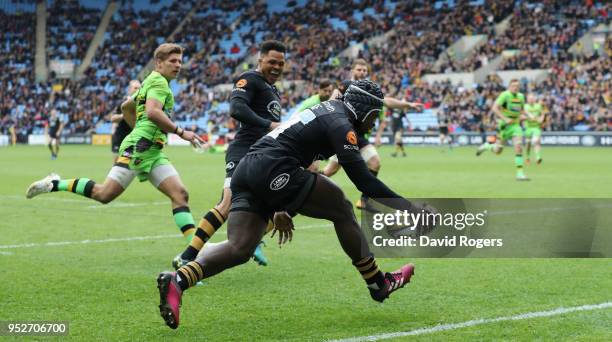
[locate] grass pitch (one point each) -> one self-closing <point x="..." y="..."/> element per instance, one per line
<point x="106" y="286"/>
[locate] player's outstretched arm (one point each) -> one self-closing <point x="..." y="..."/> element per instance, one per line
<point x="157" y="115"/>
<point x="240" y="110"/>
<point x="366" y="182"/>
<point x="394" y="103"/>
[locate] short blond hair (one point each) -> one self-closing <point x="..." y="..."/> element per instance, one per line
<point x="360" y="61"/>
<point x="165" y="50"/>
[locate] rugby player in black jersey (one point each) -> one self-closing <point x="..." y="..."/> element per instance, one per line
<point x="255" y="103"/>
<point x="397" y="127"/>
<point x="359" y="71"/>
<point x="272" y="178"/>
<point x="53" y="131"/>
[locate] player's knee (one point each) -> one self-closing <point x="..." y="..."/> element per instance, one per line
<point x="103" y="196"/>
<point x="331" y="170"/>
<point x="105" y="200"/>
<point x="241" y="253"/>
<point x="347" y="210"/>
<point x="181" y="196"/>
<point x="343" y="212"/>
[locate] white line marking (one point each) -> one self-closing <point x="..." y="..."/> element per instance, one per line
<point x="65" y="243"/>
<point x="126" y="205"/>
<point x="311" y="226"/>
<point x="540" y="210"/>
<point x="114" y="204"/>
<point x="132" y="238"/>
<point x="6" y="253"/>
<point x="453" y="326"/>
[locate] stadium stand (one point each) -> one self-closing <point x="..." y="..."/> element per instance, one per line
<point x="404" y="41"/>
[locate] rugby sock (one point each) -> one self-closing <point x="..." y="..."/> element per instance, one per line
<point x="209" y="224"/>
<point x="189" y="275"/>
<point x="370" y="272"/>
<point x="538" y="155"/>
<point x="528" y="152"/>
<point x="518" y="161"/>
<point x="81" y="186"/>
<point x="184" y="221"/>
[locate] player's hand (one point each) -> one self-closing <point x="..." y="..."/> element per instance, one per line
<point x="192" y="137"/>
<point x="273" y="125"/>
<point x="116" y="118"/>
<point x="416" y="105"/>
<point x="283" y="223"/>
<point x="200" y="146"/>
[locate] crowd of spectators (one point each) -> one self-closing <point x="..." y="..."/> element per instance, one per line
<point x="577" y="92"/>
<point x="422" y="34"/>
<point x="70" y="29"/>
<point x="577" y="95"/>
<point x="539" y="35"/>
<point x="18" y="101"/>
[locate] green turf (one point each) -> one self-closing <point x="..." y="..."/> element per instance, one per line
<point x="310" y="291"/>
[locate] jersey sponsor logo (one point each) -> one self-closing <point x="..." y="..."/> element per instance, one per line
<point x="274" y="108"/>
<point x="279" y="181"/>
<point x="239" y="89"/>
<point x="230" y="166"/>
<point x="351" y="147"/>
<point x="351" y="137"/>
<point x="241" y="83"/>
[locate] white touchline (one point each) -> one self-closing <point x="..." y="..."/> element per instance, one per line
<point x="65" y="243"/>
<point x="132" y="238"/>
<point x="117" y="204"/>
<point x="453" y="326"/>
<point x="126" y="205"/>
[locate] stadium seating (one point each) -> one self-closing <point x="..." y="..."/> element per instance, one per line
<point x="221" y="37"/>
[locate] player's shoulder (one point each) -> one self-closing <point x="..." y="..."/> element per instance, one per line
<point x="251" y="76"/>
<point x="313" y="99"/>
<point x="505" y="93"/>
<point x="156" y="79"/>
<point x="333" y="113"/>
<point x="329" y="107"/>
